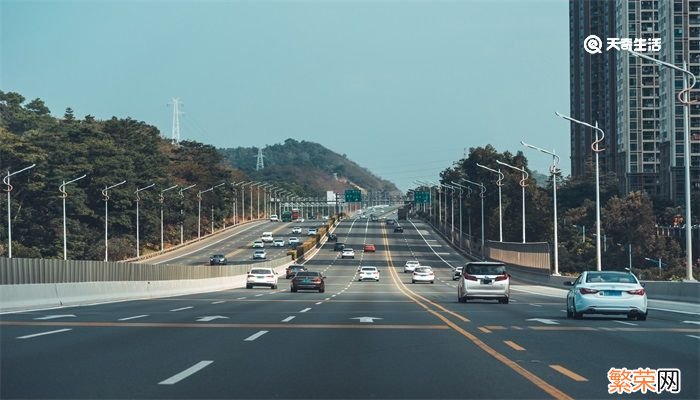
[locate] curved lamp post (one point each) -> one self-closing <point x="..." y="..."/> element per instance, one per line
<point x="481" y="194"/>
<point x="182" y="213"/>
<point x="162" y="201"/>
<point x="523" y="184"/>
<point x="105" y="197"/>
<point x="138" y="200"/>
<point x="595" y="147"/>
<point x="499" y="183"/>
<point x="6" y="181"/>
<point x="64" y="194"/>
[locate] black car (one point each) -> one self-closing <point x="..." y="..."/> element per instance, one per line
<point x="398" y="228"/>
<point x="217" y="259"/>
<point x="390" y="222"/>
<point x="294" y="269"/>
<point x="339" y="246"/>
<point x="332" y="237"/>
<point x="308" y="280"/>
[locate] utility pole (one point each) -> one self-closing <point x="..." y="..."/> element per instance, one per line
<point x="175" y="136"/>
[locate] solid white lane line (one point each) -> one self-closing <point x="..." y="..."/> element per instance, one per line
<point x="289" y="318"/>
<point x="255" y="336"/>
<point x="43" y="333"/>
<point x="183" y="308"/>
<point x="134" y="317"/>
<point x="693" y="336"/>
<point x="218" y="302"/>
<point x="304" y="310"/>
<point x="625" y="323"/>
<point x="184" y="374"/>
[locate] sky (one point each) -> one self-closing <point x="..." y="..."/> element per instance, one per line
<point x="403" y="88"/>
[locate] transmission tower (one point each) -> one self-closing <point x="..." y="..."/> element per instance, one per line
<point x="260" y="164"/>
<point x="175" y="137"/>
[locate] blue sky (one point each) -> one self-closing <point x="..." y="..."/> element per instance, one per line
<point x="401" y="87"/>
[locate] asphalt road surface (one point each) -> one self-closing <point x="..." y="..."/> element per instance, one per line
<point x="386" y="339"/>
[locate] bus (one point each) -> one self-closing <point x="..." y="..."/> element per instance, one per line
<point x="295" y="214"/>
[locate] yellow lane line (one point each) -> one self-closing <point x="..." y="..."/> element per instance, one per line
<point x="484" y="329"/>
<point x="207" y="325"/>
<point x="496" y="327"/>
<point x="568" y="373"/>
<point x="536" y="380"/>
<point x="514" y="345"/>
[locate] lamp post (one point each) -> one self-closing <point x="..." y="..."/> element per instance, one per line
<point x="105" y="197"/>
<point x="199" y="219"/>
<point x="499" y="183"/>
<point x="595" y="147"/>
<point x="554" y="171"/>
<point x="162" y="202"/>
<point x="243" y="185"/>
<point x="460" y="187"/>
<point x="523" y="185"/>
<point x="656" y="261"/>
<point x="481" y="194"/>
<point x="62" y="189"/>
<point x="683" y="98"/>
<point x="6" y="181"/>
<point x="138" y="200"/>
<point x="182" y="213"/>
<point x="452" y="209"/>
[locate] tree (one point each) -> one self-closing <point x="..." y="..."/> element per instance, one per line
<point x="37" y="106"/>
<point x="68" y="115"/>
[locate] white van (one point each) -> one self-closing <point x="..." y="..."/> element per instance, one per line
<point x="267" y="237"/>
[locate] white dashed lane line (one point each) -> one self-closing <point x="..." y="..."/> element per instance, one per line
<point x="182" y="308"/>
<point x="184" y="374"/>
<point x="305" y="310"/>
<point x="134" y="317"/>
<point x="255" y="336"/>
<point x="289" y="318"/>
<point x="218" y="302"/>
<point x="43" y="333"/>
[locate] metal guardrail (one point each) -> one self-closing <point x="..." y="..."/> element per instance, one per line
<point x="19" y="271"/>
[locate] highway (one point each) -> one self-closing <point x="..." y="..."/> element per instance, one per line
<point x="386" y="339"/>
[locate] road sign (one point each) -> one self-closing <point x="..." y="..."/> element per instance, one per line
<point x="353" y="196"/>
<point x="421" y="197"/>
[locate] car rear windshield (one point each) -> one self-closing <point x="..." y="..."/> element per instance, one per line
<point x="608" y="277"/>
<point x="218" y="256"/>
<point x="261" y="271"/>
<point x="486" y="269"/>
<point x="307" y="273"/>
<point x="369" y="269"/>
<point x="423" y="269"/>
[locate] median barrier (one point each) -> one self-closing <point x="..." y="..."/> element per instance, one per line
<point x="18" y="297"/>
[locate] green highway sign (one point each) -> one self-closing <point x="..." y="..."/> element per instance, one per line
<point x="353" y="196"/>
<point x="421" y="197"/>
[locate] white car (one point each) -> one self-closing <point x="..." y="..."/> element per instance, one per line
<point x="261" y="277"/>
<point x="267" y="237"/>
<point x="293" y="240"/>
<point x="278" y="243"/>
<point x="348" y="253"/>
<point x="274" y="218"/>
<point x="258" y="244"/>
<point x="311" y="231"/>
<point x="410" y="266"/>
<point x="423" y="274"/>
<point x="484" y="280"/>
<point x="296" y="229"/>
<point x="457" y="273"/>
<point x="606" y="292"/>
<point x="259" y="254"/>
<point x="368" y="273"/>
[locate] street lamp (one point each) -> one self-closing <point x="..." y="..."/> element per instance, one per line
<point x="243" y="185"/>
<point x="64" y="194"/>
<point x="554" y="171"/>
<point x="481" y="194"/>
<point x="138" y="200"/>
<point x="460" y="211"/>
<point x="656" y="261"/>
<point x="452" y="209"/>
<point x="105" y="197"/>
<point x="162" y="200"/>
<point x="684" y="98"/>
<point x="6" y="181"/>
<point x="499" y="183"/>
<point x="595" y="147"/>
<point x="523" y="185"/>
<point x="182" y="213"/>
<point x="199" y="218"/>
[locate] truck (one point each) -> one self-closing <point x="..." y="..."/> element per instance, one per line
<point x="286" y="216"/>
<point x="403" y="213"/>
<point x="295" y="214"/>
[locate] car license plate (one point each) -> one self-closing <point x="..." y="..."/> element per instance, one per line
<point x="612" y="293"/>
<point x="486" y="281"/>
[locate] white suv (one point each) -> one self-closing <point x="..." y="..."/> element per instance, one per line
<point x="484" y="280"/>
<point x="261" y="277"/>
<point x="267" y="237"/>
<point x="273" y="218"/>
<point x="410" y="266"/>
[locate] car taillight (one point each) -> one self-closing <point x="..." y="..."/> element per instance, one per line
<point x="317" y="280"/>
<point x="269" y="276"/>
<point x="470" y="277"/>
<point x="501" y="277"/>
<point x="588" y="291"/>
<point x="637" y="291"/>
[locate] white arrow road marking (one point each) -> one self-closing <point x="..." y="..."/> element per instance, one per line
<point x="693" y="336"/>
<point x="183" y="308"/>
<point x="625" y="323"/>
<point x="184" y="374"/>
<point x="57" y="316"/>
<point x="210" y="318"/>
<point x="366" y="319"/>
<point x="692" y="322"/>
<point x="255" y="336"/>
<point x="134" y="317"/>
<point x="43" y="333"/>
<point x="544" y="321"/>
<point x="289" y="318"/>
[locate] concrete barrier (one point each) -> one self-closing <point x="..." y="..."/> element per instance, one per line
<point x="18" y="297"/>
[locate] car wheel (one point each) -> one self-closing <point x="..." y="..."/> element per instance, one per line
<point x="577" y="315"/>
<point x="294" y="290"/>
<point x="431" y="282"/>
<point x="504" y="300"/>
<point x="461" y="299"/>
<point x="248" y="286"/>
<point x="321" y="290"/>
<point x="569" y="313"/>
<point x="273" y="287"/>
<point x="642" y="317"/>
<point x="413" y="281"/>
